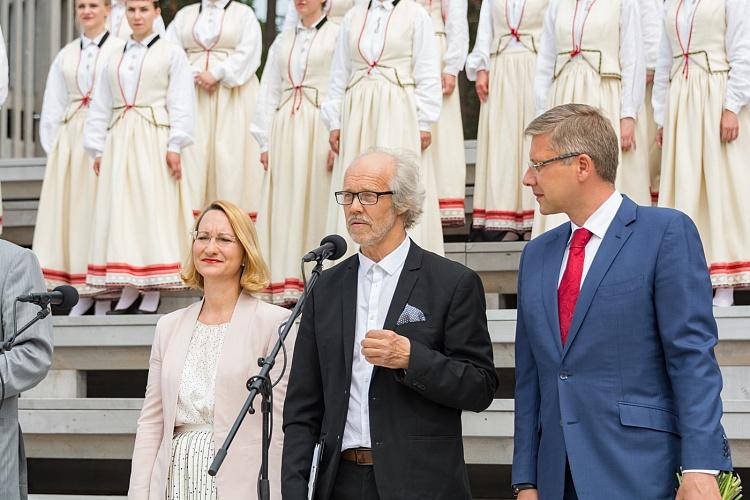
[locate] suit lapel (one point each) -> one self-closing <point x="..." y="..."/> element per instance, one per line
<point x="406" y="282"/>
<point x="616" y="236"/>
<point x="176" y="354"/>
<point x="349" y="313"/>
<point x="553" y="255"/>
<point x="236" y="337"/>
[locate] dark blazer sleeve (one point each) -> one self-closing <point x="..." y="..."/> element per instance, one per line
<point x="303" y="408"/>
<point x="463" y="375"/>
<point x="682" y="298"/>
<point x="527" y="401"/>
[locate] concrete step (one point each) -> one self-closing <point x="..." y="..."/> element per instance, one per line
<point x="105" y="429"/>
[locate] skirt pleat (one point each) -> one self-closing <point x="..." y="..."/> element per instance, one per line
<point x="188" y="478"/>
<point x="501" y="201"/>
<point x="706" y="178"/>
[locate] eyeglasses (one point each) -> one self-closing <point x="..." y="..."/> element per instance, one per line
<point x="222" y="240"/>
<point x="538" y="165"/>
<point x="365" y="197"/>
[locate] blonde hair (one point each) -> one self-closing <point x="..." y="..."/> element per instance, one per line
<point x="254" y="277"/>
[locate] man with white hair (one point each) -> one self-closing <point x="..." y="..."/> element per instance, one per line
<point x="393" y="346"/>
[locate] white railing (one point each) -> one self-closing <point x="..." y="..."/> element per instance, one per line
<point x="34" y="31"/>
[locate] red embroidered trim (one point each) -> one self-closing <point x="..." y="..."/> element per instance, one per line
<point x="156" y="269"/>
<point x="51" y="274"/>
<point x="297" y="92"/>
<point x="577" y="46"/>
<point x="218" y="38"/>
<point x="385" y="41"/>
<point x="502" y="215"/>
<point x="514" y="29"/>
<point x="685" y="49"/>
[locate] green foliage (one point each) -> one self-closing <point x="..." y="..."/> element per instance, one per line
<point x="730" y="485"/>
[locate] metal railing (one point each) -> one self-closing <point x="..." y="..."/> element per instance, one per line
<point x="34" y="32"/>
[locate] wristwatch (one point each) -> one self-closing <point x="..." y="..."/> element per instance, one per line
<point x="517" y="488"/>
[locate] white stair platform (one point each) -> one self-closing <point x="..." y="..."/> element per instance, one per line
<point x="105" y="428"/>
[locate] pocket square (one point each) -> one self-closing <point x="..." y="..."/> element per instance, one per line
<point x="410" y="314"/>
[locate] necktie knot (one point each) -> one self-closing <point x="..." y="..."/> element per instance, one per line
<point x="581" y="237"/>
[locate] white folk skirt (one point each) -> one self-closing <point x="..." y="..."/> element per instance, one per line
<point x="380" y="113"/>
<point x="224" y="162"/>
<point x="62" y="237"/>
<point x="296" y="196"/>
<point x="192" y="454"/>
<point x="706" y="178"/>
<point x="447" y="157"/>
<point x="580" y="83"/>
<point x="142" y="220"/>
<point x="501" y="201"/>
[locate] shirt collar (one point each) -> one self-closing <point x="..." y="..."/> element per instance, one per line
<point x="219" y="4"/>
<point x="144" y="42"/>
<point x="301" y="27"/>
<point x="391" y="262"/>
<point x="600" y="220"/>
<point x="384" y="4"/>
<point x="87" y="42"/>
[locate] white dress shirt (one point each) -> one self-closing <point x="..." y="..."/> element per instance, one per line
<point x="376" y="284"/>
<point x="242" y="64"/>
<point x="597" y="223"/>
<point x="180" y="97"/>
<point x="3" y="70"/>
<point x="428" y="93"/>
<point x="273" y="81"/>
<point x="479" y="59"/>
<point x="738" y="52"/>
<point x="632" y="60"/>
<point x="457" y="36"/>
<point x="117" y="18"/>
<point x="652" y="21"/>
<point x="56" y="97"/>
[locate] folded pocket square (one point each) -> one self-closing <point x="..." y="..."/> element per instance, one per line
<point x="410" y="314"/>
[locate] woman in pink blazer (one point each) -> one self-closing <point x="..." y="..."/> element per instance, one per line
<point x="200" y="361"/>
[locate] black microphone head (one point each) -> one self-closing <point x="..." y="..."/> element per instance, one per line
<point x="339" y="245"/>
<point x="69" y="296"/>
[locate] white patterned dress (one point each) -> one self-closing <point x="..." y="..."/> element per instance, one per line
<point x="193" y="444"/>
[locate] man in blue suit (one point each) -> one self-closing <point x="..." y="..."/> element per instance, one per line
<point x="617" y="385"/>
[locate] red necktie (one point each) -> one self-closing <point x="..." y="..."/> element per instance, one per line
<point x="570" y="285"/>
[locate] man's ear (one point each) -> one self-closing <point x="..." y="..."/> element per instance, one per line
<point x="585" y="167"/>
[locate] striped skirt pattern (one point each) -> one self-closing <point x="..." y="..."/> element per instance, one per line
<point x="192" y="453"/>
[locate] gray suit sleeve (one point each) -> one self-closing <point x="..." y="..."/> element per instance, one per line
<point x="27" y="363"/>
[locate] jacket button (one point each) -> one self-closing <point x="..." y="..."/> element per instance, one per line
<point x="564" y="376"/>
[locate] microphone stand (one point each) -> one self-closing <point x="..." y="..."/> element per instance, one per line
<point x="44" y="311"/>
<point x="261" y="384"/>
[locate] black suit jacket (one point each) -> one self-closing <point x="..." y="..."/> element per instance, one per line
<point x="415" y="416"/>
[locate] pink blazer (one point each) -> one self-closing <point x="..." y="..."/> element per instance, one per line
<point x="251" y="334"/>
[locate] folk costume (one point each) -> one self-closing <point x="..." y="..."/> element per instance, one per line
<point x="66" y="205"/>
<point x="446" y="155"/>
<point x="288" y="126"/>
<point x="384" y="89"/>
<point x="142" y="219"/>
<point x="506" y="47"/>
<point x="581" y="61"/>
<point x="224" y="38"/>
<point x="704" y="69"/>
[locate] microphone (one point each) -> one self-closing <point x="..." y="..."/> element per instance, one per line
<point x="331" y="247"/>
<point x="64" y="296"/>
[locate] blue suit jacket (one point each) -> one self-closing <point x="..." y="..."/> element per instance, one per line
<point x="635" y="392"/>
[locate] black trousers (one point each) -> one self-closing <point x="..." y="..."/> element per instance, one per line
<point x="354" y="482"/>
<point x="570" y="488"/>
